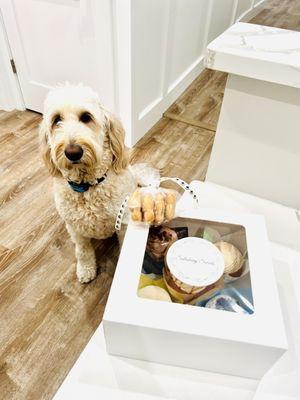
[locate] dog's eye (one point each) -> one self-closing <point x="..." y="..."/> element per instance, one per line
<point x="85" y="117"/>
<point x="56" y="121"/>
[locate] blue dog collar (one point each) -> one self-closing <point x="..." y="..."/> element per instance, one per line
<point x="84" y="186"/>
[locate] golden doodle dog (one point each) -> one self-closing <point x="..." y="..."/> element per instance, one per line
<point x="83" y="147"/>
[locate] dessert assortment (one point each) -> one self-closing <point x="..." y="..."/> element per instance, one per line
<point x="190" y="263"/>
<point x="197" y="263"/>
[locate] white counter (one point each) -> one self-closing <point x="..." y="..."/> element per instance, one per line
<point x="257" y="144"/>
<point x="258" y="52"/>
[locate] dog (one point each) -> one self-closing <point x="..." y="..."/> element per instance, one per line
<point x="83" y="147"/>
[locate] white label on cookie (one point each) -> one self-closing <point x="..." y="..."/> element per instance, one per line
<point x="195" y="261"/>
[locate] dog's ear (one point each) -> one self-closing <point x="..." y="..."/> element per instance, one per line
<point x="116" y="135"/>
<point x="45" y="149"/>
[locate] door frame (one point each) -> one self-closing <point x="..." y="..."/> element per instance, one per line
<point x="11" y="95"/>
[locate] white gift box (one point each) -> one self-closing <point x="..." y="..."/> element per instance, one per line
<point x="191" y="336"/>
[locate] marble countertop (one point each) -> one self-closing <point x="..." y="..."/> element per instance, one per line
<point x="259" y="52"/>
<point x="97" y="375"/>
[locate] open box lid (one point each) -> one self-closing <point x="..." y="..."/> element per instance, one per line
<point x="264" y="327"/>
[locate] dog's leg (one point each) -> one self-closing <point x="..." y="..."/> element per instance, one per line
<point x="86" y="269"/>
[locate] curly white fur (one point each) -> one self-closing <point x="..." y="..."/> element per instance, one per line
<point x="90" y="214"/>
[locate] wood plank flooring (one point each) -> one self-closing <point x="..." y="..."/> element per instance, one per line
<point x="283" y="14"/>
<point x="176" y="148"/>
<point x="200" y="104"/>
<point x="46" y="316"/>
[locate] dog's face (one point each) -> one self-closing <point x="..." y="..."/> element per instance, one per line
<point x="79" y="139"/>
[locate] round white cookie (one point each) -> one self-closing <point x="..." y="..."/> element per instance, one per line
<point x="154" y="293"/>
<point x="233" y="258"/>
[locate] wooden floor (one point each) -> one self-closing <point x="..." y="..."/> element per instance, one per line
<point x="46" y="316"/>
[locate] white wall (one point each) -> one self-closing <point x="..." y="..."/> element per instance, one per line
<point x="168" y="43"/>
<point x="242" y="7"/>
<point x="140" y="55"/>
<point x="220" y="17"/>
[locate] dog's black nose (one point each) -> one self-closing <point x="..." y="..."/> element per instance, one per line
<point x="73" y="152"/>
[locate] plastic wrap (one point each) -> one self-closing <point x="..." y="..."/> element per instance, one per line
<point x="153" y="206"/>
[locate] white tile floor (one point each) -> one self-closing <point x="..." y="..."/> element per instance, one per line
<point x="96" y="375"/>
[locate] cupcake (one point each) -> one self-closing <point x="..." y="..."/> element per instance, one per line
<point x="193" y="269"/>
<point x="159" y="240"/>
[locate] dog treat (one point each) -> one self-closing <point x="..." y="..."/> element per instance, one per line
<point x="136" y="215"/>
<point x="159" y="208"/>
<point x="148" y="208"/>
<point x="135" y="199"/>
<point x="154" y="293"/>
<point x="233" y="258"/>
<point x="135" y="204"/>
<point x="170" y="206"/>
<point x="152" y="205"/>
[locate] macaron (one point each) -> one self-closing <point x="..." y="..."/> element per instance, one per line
<point x="233" y="258"/>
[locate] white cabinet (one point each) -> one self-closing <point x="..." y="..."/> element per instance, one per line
<point x="139" y="55"/>
<point x="168" y="38"/>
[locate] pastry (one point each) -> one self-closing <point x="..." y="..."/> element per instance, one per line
<point x="159" y="240"/>
<point x="233" y="258"/>
<point x="136" y="215"/>
<point x="195" y="262"/>
<point x="151" y="205"/>
<point x="178" y="295"/>
<point x="159" y="208"/>
<point x="154" y="293"/>
<point x="135" y="204"/>
<point x="148" y="208"/>
<point x="193" y="268"/>
<point x="151" y="279"/>
<point x="170" y="205"/>
<point x="211" y="234"/>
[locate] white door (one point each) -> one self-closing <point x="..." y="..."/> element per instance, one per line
<point x="54" y="41"/>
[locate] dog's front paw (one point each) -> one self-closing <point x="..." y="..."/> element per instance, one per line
<point x="85" y="274"/>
